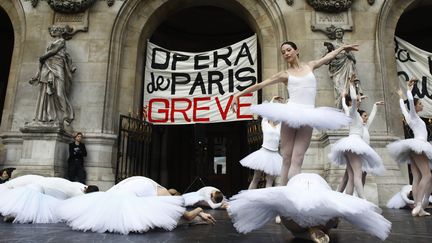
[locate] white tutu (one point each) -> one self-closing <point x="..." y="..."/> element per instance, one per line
<point x="400" y="150"/>
<point x="372" y="162"/>
<point x="307" y="200"/>
<point x="396" y="201"/>
<point x="264" y="160"/>
<point x="297" y="115"/>
<point x="121" y="212"/>
<point x="28" y="204"/>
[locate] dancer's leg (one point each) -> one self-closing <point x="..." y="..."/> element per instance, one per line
<point x="301" y="144"/>
<point x="255" y="180"/>
<point x="287" y="137"/>
<point x="343" y="182"/>
<point x="356" y="165"/>
<point x="425" y="184"/>
<point x="269" y="180"/>
<point x="350" y="184"/>
<point x="416" y="180"/>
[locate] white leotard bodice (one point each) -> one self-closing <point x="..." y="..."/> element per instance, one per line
<point x="413" y="120"/>
<point x="138" y="185"/>
<point x="302" y="89"/>
<point x="68" y="188"/>
<point x="271" y="135"/>
<point x="357" y="127"/>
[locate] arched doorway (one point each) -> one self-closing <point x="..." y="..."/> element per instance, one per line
<point x="415" y="26"/>
<point x="184" y="154"/>
<point x="137" y="21"/>
<point x="6" y="50"/>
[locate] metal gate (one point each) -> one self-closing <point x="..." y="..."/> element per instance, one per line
<point x="133" y="148"/>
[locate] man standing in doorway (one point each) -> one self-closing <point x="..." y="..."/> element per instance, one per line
<point x="77" y="152"/>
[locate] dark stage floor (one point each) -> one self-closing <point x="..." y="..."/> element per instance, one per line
<point x="404" y="229"/>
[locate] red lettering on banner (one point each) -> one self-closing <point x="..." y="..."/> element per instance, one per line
<point x="196" y="108"/>
<point x="182" y="111"/>
<point x="224" y="112"/>
<point x="240" y="105"/>
<point x="169" y="107"/>
<point x="162" y="111"/>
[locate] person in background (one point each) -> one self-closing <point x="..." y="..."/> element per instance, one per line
<point x="77" y="152"/>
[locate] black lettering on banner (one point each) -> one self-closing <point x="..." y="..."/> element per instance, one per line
<point x="245" y="78"/>
<point x="198" y="81"/>
<point x="416" y="91"/>
<point x="161" y="66"/>
<point x="424" y="91"/>
<point x="217" y="81"/>
<point x="175" y="81"/>
<point x="199" y="58"/>
<point x="178" y="57"/>
<point x="230" y="80"/>
<point x="156" y="85"/>
<point x="244" y="48"/>
<point x="224" y="57"/>
<point x="430" y="65"/>
<point x="402" y="55"/>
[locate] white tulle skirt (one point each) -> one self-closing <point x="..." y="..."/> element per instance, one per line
<point x="396" y="201"/>
<point x="307" y="200"/>
<point x="121" y="212"/>
<point x="372" y="162"/>
<point x="264" y="160"/>
<point x="400" y="150"/>
<point x="29" y="204"/>
<point x="298" y="115"/>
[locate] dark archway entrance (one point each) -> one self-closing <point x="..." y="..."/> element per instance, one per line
<point x="415" y="25"/>
<point x="6" y="49"/>
<point x="182" y="154"/>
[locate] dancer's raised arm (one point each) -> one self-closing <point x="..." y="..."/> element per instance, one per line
<point x="277" y="78"/>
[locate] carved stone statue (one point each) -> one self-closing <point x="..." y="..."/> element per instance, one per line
<point x="343" y="66"/>
<point x="54" y="81"/>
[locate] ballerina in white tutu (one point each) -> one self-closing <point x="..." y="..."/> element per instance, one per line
<point x="346" y="105"/>
<point x="307" y="201"/>
<point x="354" y="151"/>
<point x="267" y="159"/>
<point x="34" y="198"/>
<point x="136" y="204"/>
<point x="299" y="115"/>
<point x="417" y="151"/>
<point x="402" y="198"/>
<point x="207" y="196"/>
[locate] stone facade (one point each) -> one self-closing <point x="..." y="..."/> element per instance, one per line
<point x="110" y="62"/>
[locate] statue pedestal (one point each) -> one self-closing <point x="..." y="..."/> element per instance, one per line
<point x="44" y="149"/>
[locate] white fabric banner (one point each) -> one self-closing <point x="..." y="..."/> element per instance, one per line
<point x="414" y="62"/>
<point x="186" y="88"/>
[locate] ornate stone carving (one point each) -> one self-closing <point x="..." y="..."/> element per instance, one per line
<point x="331" y="6"/>
<point x="54" y="81"/>
<point x="343" y="66"/>
<point x="110" y="2"/>
<point x="34" y="3"/>
<point x="290" y="2"/>
<point x="70" y="6"/>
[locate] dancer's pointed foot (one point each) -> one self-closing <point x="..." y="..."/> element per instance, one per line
<point x="318" y="236"/>
<point x="416" y="210"/>
<point x="423" y="213"/>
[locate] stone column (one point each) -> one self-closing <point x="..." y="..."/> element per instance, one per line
<point x="44" y="150"/>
